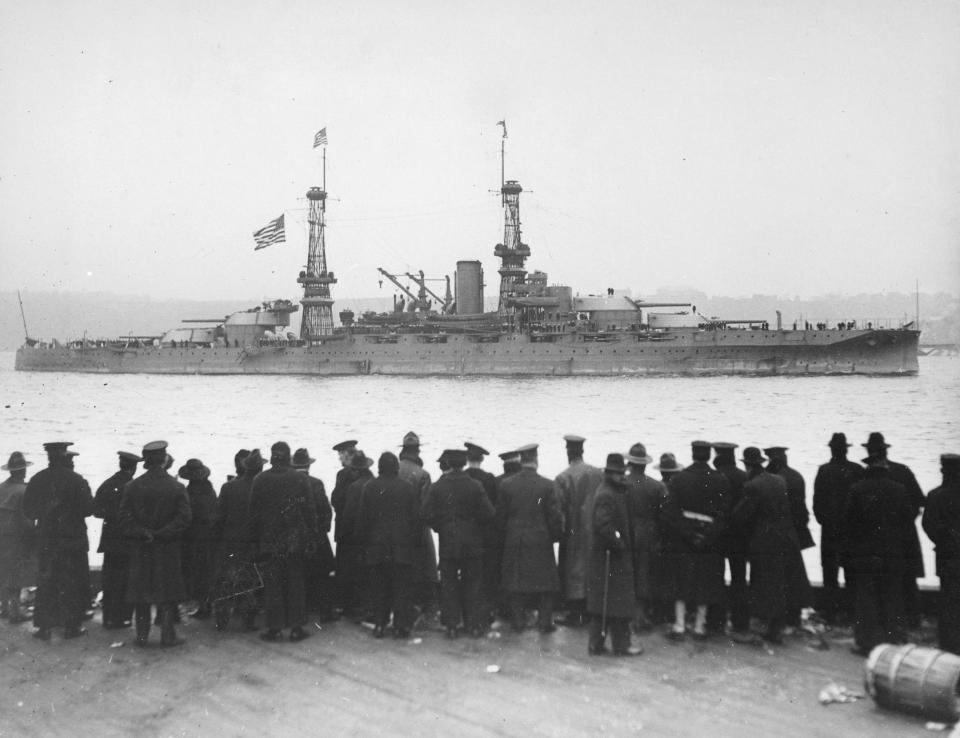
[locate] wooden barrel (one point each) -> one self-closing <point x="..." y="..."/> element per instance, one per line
<point x="914" y="679"/>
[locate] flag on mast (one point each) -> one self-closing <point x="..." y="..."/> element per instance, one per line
<point x="270" y="234"/>
<point x="504" y="124"/>
<point x="321" y="138"/>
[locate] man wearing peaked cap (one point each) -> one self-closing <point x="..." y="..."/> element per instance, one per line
<point x="346" y="571"/>
<point x="117" y="612"/>
<point x="877" y="446"/>
<point x="941" y="521"/>
<point x="59" y="500"/>
<point x="319" y="563"/>
<point x="456" y="508"/>
<point x="16" y="537"/>
<point x="530" y="519"/>
<point x="831" y="488"/>
<point x="345" y="446"/>
<point x="425" y="580"/>
<point x="733" y="545"/>
<point x="575" y="486"/>
<point x="490" y="562"/>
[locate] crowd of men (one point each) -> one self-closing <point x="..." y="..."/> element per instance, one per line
<point x="635" y="552"/>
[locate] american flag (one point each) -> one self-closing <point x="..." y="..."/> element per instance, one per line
<point x="270" y="234"/>
<point x="321" y="138"/>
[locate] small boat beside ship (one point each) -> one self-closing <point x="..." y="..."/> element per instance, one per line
<point x="537" y="329"/>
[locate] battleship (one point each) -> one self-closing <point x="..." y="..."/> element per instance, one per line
<point x="537" y="329"/>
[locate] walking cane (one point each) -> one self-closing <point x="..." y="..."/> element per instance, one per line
<point x="606" y="592"/>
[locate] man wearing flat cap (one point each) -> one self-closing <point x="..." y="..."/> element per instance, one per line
<point x="830" y="490"/>
<point x="490" y="559"/>
<point x="941" y="521"/>
<point x="117" y="612"/>
<point x="693" y="518"/>
<point x="645" y="500"/>
<point x="530" y="521"/>
<point x="16" y="538"/>
<point x="320" y="563"/>
<point x="877" y="446"/>
<point x="575" y="487"/>
<point x="457" y="507"/>
<point x="59" y="500"/>
<point x="425" y="569"/>
<point x="154" y="515"/>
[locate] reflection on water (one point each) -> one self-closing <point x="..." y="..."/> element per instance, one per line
<point x="211" y="417"/>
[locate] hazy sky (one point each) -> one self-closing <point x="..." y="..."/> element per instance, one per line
<point x="790" y="148"/>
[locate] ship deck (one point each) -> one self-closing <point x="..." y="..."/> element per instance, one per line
<point x="341" y="681"/>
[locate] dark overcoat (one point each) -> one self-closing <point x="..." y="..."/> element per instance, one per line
<point x="645" y="500"/>
<point x="611" y="531"/>
<point x="733" y="539"/>
<point x="693" y="518"/>
<point x="154" y="515"/>
<point x="338" y="498"/>
<point x="574" y="485"/>
<point x="283" y="514"/>
<point x="350" y="543"/>
<point x="901" y="474"/>
<point x="831" y="487"/>
<point x="16" y="536"/>
<point x="425" y="567"/>
<point x="528" y="513"/>
<point x="778" y="580"/>
<point x="106" y="505"/>
<point x="457" y="507"/>
<point x="200" y="540"/>
<point x="389" y="518"/>
<point x="878" y="521"/>
<point x="797" y="493"/>
<point x="233" y="515"/>
<point x="941" y="522"/>
<point x="324" y="553"/>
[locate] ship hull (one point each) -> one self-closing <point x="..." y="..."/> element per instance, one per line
<point x="747" y="352"/>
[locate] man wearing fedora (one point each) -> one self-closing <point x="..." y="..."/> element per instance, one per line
<point x="425" y="580"/>
<point x="575" y="485"/>
<point x="611" y="596"/>
<point x="283" y="517"/>
<point x="876" y="521"/>
<point x="352" y="572"/>
<point x="941" y="521"/>
<point x="237" y="585"/>
<point x="117" y="612"/>
<point x="59" y="500"/>
<point x="831" y="488"/>
<point x="877" y="446"/>
<point x="669" y="467"/>
<point x="778" y="580"/>
<point x="154" y="515"/>
<point x="530" y="521"/>
<point x="457" y="507"/>
<point x="16" y="537"/>
<point x="320" y="563"/>
<point x="200" y="542"/>
<point x="645" y="498"/>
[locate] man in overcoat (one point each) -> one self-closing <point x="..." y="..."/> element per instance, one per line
<point x="425" y="568"/>
<point x="154" y="515"/>
<point x="353" y="573"/>
<point x="778" y="580"/>
<point x="733" y="545"/>
<point x="16" y="538"/>
<point x="345" y="477"/>
<point x="389" y="518"/>
<point x="283" y="517"/>
<point x="645" y="500"/>
<point x="575" y="484"/>
<point x="877" y="522"/>
<point x="877" y="446"/>
<point x="199" y="541"/>
<point x="693" y="517"/>
<point x="457" y="508"/>
<point x="830" y="490"/>
<point x="490" y="558"/>
<point x="611" y="597"/>
<point x="59" y="500"/>
<point x="941" y="521"/>
<point x="529" y="516"/>
<point x="320" y="563"/>
<point x="237" y="585"/>
<point x="115" y="547"/>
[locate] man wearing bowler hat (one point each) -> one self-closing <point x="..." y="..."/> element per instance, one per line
<point x="877" y="446"/>
<point x="117" y="612"/>
<point x="457" y="507"/>
<point x="831" y="487"/>
<point x="576" y="486"/>
<point x="59" y="500"/>
<point x="941" y="521"/>
<point x="530" y="521"/>
<point x="16" y="537"/>
<point x="154" y="515"/>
